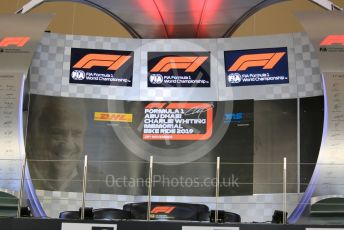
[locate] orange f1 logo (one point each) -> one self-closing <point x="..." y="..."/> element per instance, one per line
<point x="332" y="39"/>
<point x="14" y="41"/>
<point x="266" y="60"/>
<point x="189" y="64"/>
<point x="162" y="209"/>
<point x="113" y="62"/>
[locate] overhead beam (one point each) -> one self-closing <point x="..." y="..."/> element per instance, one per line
<point x="35" y="3"/>
<point x="327" y="4"/>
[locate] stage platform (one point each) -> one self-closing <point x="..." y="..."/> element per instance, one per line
<point x="57" y="224"/>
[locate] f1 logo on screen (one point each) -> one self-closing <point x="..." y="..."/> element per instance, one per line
<point x="113" y="62"/>
<point x="162" y="209"/>
<point x="332" y="40"/>
<point x="14" y="41"/>
<point x="188" y="64"/>
<point x="266" y="61"/>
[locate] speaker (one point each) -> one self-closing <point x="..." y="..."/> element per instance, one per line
<point x="110" y="214"/>
<point x="88" y="213"/>
<point x="168" y="211"/>
<point x="76" y="215"/>
<point x="225" y="217"/>
<point x="25" y="212"/>
<point x="70" y="215"/>
<point x="277" y="217"/>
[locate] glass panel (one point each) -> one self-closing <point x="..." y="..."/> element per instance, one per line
<point x="251" y="207"/>
<point x="112" y="184"/>
<point x="10" y="175"/>
<point x="323" y="200"/>
<point x="183" y="190"/>
<point x="57" y="184"/>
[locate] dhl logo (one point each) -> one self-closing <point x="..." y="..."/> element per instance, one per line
<point x="14" y="41"/>
<point x="118" y="117"/>
<point x="188" y="64"/>
<point x="266" y="60"/>
<point x="113" y="62"/>
<point x="332" y="39"/>
<point x="162" y="209"/>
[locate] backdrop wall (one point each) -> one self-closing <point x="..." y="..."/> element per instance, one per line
<point x="274" y="104"/>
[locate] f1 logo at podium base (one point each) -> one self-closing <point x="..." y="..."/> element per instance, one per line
<point x="77" y="226"/>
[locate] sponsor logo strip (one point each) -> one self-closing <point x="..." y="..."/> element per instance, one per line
<point x="114" y="117"/>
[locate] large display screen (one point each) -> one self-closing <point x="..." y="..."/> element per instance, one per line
<point x="178" y="69"/>
<point x="101" y="67"/>
<point x="120" y="136"/>
<point x="257" y="67"/>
